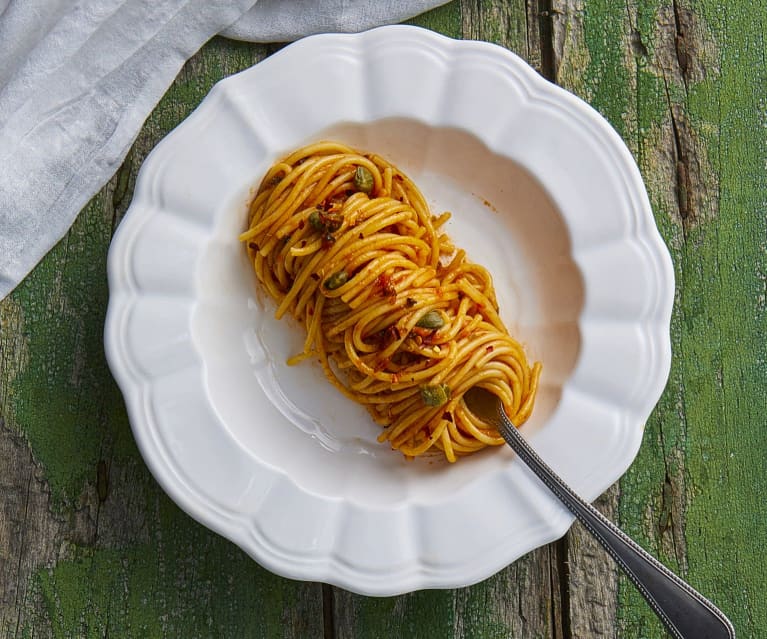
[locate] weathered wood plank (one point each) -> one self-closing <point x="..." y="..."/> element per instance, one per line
<point x="515" y="25"/>
<point x="523" y="600"/>
<point x="684" y="85"/>
<point x="591" y="595"/>
<point x="89" y="544"/>
<point x="519" y="601"/>
<point x="722" y="51"/>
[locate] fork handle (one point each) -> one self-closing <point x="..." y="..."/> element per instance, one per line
<point x="685" y="612"/>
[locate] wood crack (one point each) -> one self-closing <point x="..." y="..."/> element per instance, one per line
<point x="680" y="43"/>
<point x="328" y="616"/>
<point x="122" y="192"/>
<point x="20" y="563"/>
<point x="561" y="550"/>
<point x="683" y="189"/>
<point x="103" y="473"/>
<point x="546" y="30"/>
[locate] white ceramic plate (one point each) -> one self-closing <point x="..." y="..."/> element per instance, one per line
<point x="544" y="193"/>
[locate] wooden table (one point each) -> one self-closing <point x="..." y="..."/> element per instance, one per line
<point x="90" y="546"/>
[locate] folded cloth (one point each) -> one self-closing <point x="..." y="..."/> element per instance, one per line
<point x="281" y="21"/>
<point x="78" y="79"/>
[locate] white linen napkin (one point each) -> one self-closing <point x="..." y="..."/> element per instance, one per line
<point x="79" y="77"/>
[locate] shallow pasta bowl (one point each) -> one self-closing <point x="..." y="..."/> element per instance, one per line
<point x="543" y="192"/>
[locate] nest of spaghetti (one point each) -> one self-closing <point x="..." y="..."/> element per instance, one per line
<point x="401" y="321"/>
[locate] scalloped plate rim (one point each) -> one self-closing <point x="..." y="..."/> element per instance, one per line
<point x="123" y="291"/>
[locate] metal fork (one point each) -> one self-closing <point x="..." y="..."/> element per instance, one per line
<point x="684" y="611"/>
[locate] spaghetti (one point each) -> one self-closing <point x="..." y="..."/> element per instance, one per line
<point x="400" y="320"/>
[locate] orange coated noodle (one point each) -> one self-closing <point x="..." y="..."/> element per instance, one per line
<point x="400" y="319"/>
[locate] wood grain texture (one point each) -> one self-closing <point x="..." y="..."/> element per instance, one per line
<point x="519" y="601"/>
<point x="683" y="83"/>
<point x="90" y="546"/>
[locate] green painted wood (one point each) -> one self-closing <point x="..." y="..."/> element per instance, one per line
<point x="90" y="546"/>
<point x="684" y="84"/>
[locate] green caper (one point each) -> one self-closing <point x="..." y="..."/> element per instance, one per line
<point x="336" y="280"/>
<point x="432" y="320"/>
<point x="435" y="394"/>
<point x="325" y="222"/>
<point x="316" y="221"/>
<point x="363" y="180"/>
